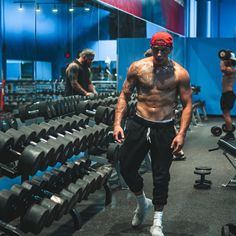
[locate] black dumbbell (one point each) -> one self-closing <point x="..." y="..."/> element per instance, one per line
<point x="49" y="151"/>
<point x="203" y="168"/>
<point x="63" y="148"/>
<point x="38" y="187"/>
<point x="29" y="159"/>
<point x="202" y="184"/>
<point x="52" y="150"/>
<point x="225" y="129"/>
<point x="85" y="137"/>
<point x="66" y="141"/>
<point x="27" y="198"/>
<point x="34" y="219"/>
<point x="9" y="206"/>
<point x="216" y="131"/>
<point x="100" y="114"/>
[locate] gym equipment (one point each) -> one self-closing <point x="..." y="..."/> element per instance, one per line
<point x="34" y="219"/>
<point x="36" y="109"/>
<point x="216" y="131"/>
<point x="202" y="183"/>
<point x="112" y="152"/>
<point x="20" y="137"/>
<point x="228" y="147"/>
<point x="9" y="205"/>
<point x="29" y="159"/>
<point x="228" y="230"/>
<point x="100" y="114"/>
<point x="225" y="54"/>
<point x="204" y="168"/>
<point x="26" y="199"/>
<point x="65" y="146"/>
<point x="225" y="130"/>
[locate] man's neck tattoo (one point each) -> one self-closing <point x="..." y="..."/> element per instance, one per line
<point x="164" y="69"/>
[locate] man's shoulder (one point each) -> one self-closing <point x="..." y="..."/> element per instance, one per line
<point x="141" y="62"/>
<point x="73" y="65"/>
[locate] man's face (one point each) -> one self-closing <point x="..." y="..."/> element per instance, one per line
<point x="160" y="53"/>
<point x="88" y="60"/>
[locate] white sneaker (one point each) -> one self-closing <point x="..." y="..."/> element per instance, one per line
<point x="156" y="230"/>
<point x="141" y="213"/>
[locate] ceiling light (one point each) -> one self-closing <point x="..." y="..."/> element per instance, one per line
<point x="21" y="7"/>
<point x="37" y="8"/>
<point x="55" y="10"/>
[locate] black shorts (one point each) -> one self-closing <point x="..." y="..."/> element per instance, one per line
<point x="227" y="100"/>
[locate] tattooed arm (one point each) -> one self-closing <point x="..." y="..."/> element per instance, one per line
<point x="123" y="99"/>
<point x="185" y="93"/>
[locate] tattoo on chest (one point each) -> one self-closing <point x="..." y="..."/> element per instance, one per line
<point x="156" y="78"/>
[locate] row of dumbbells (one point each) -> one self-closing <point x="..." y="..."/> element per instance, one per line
<point x="63" y="106"/>
<point x="42" y="200"/>
<point x="39" y="146"/>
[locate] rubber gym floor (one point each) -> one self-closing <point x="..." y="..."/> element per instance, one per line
<point x="189" y="212"/>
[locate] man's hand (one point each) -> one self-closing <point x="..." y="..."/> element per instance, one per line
<point x="118" y="134"/>
<point x="89" y="94"/>
<point x="177" y="143"/>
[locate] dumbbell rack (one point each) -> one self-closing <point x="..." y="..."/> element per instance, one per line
<point x="12" y="230"/>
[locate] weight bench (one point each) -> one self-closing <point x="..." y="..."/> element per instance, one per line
<point x="229" y="147"/>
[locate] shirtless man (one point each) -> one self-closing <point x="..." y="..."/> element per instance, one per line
<point x="228" y="97"/>
<point x="158" y="81"/>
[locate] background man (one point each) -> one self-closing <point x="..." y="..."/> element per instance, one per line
<point x="78" y="75"/>
<point x="228" y="97"/>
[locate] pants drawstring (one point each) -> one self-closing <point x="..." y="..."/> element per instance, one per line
<point x="148" y="135"/>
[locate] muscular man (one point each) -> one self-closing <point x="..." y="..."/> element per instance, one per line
<point x="158" y="80"/>
<point x="228" y="96"/>
<point x="78" y="75"/>
<point x="180" y="155"/>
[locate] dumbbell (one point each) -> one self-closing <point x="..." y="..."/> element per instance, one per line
<point x="71" y="172"/>
<point x="227" y="55"/>
<point x="34" y="219"/>
<point x="90" y="174"/>
<point x="55" y="182"/>
<point x="65" y="130"/>
<point x="112" y="152"/>
<point x="100" y="114"/>
<point x="67" y="175"/>
<point x="29" y="159"/>
<point x="59" y="143"/>
<point x="49" y="145"/>
<point x="225" y="129"/>
<point x="49" y="151"/>
<point x="66" y="141"/>
<point x="85" y="135"/>
<point x="93" y="178"/>
<point x="9" y="206"/>
<point x="202" y="183"/>
<point x="203" y="168"/>
<point x="216" y="131"/>
<point x="41" y="188"/>
<point x="27" y="198"/>
<point x="75" y="176"/>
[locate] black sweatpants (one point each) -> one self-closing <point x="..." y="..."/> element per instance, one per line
<point x="142" y="136"/>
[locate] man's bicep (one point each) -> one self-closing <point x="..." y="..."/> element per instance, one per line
<point x="185" y="89"/>
<point x="72" y="73"/>
<point x="130" y="82"/>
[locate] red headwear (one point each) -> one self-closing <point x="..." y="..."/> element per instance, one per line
<point x="161" y="39"/>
